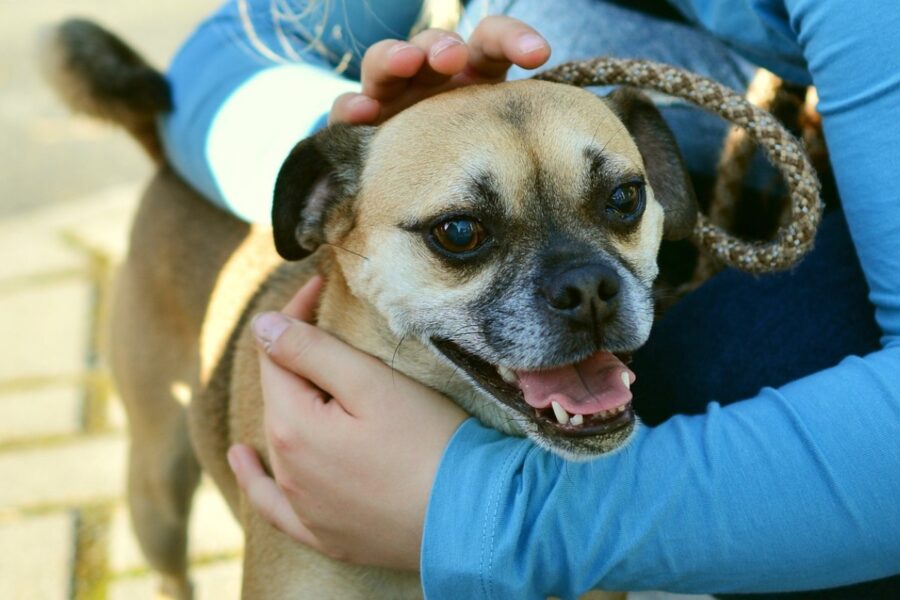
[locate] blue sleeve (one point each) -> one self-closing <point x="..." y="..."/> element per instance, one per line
<point x="258" y="76"/>
<point x="795" y="488"/>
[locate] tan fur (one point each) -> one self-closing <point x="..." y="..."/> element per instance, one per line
<point x="194" y="275"/>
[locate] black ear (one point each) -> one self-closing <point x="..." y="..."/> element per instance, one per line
<point x="665" y="168"/>
<point x="320" y="174"/>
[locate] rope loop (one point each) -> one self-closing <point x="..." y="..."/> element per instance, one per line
<point x="793" y="239"/>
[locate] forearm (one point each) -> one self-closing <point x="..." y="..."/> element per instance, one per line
<point x="758" y="496"/>
<point x="250" y="83"/>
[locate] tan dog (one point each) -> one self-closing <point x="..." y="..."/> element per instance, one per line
<point x="496" y="243"/>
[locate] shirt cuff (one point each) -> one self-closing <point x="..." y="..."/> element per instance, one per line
<point x="466" y="498"/>
<point x="259" y="124"/>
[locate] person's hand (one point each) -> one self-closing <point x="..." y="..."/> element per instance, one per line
<point x="354" y="446"/>
<point x="397" y="74"/>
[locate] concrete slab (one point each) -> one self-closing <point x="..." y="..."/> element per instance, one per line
<point x="36" y="557"/>
<point x="115" y="413"/>
<point x="29" y="251"/>
<point x="47" y="328"/>
<point x="40" y="412"/>
<point x="100" y="220"/>
<point x="87" y="470"/>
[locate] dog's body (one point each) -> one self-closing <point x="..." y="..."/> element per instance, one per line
<point x="444" y="256"/>
<point x="194" y="337"/>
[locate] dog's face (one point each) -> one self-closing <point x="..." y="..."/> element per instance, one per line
<point x="513" y="229"/>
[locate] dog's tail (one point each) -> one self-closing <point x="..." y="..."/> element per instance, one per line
<point x="97" y="74"/>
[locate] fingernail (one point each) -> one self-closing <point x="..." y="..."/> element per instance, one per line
<point x="268" y="326"/>
<point x="358" y="101"/>
<point x="443" y="44"/>
<point x="399" y="48"/>
<point x="530" y="42"/>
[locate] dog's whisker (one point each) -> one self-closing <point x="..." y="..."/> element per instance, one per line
<point x="394" y="358"/>
<point x="345" y="250"/>
<point x="612" y="137"/>
<point x="452" y="375"/>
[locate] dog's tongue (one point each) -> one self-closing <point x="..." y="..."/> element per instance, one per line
<point x="585" y="388"/>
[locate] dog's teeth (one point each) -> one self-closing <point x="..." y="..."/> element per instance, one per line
<point x="508" y="375"/>
<point x="561" y="415"/>
<point x="626" y="380"/>
<point x="576" y="420"/>
<point x="620" y="409"/>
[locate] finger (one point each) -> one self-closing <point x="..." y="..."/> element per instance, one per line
<point x="297" y="412"/>
<point x="498" y="42"/>
<point x="387" y="68"/>
<point x="447" y="55"/>
<point x="265" y="496"/>
<point x="354" y="108"/>
<point x="303" y="305"/>
<point x="342" y="371"/>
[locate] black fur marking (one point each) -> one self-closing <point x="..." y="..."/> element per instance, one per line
<point x="318" y="176"/>
<point x="482" y="202"/>
<point x="487" y="191"/>
<point x="516" y="112"/>
<point x="114" y="72"/>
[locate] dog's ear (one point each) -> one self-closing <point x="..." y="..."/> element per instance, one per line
<point x="321" y="174"/>
<point x="665" y="168"/>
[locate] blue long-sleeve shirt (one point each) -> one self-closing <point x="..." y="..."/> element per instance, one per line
<point x="795" y="488"/>
<point x="258" y="76"/>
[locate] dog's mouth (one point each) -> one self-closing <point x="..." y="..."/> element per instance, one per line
<point x="588" y="398"/>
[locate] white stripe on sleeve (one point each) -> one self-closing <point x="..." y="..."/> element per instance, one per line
<point x="259" y="124"/>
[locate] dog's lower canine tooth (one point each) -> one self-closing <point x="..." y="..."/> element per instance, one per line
<point x="576" y="420"/>
<point x="626" y="380"/>
<point x="561" y="415"/>
<point x="506" y="374"/>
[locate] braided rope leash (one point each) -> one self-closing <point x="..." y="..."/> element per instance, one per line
<point x="795" y="238"/>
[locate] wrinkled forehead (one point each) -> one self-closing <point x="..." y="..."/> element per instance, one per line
<point x="512" y="133"/>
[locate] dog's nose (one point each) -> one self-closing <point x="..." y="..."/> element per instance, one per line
<point x="585" y="295"/>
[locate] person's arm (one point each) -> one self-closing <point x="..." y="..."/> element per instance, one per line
<point x="794" y="489"/>
<point x="252" y="81"/>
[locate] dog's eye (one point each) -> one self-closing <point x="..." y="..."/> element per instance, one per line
<point x="627" y="200"/>
<point x="459" y="235"/>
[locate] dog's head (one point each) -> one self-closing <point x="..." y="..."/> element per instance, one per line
<point x="514" y="230"/>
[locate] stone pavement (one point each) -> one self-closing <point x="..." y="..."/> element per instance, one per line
<point x="64" y="530"/>
<point x="68" y="187"/>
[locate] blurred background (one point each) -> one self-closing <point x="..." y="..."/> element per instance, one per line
<point x="68" y="187"/>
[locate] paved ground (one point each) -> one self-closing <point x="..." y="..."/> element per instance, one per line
<point x="68" y="188"/>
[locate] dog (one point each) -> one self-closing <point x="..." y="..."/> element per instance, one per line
<point x="496" y="243"/>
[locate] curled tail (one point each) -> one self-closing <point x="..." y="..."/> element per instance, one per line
<point x="97" y="74"/>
